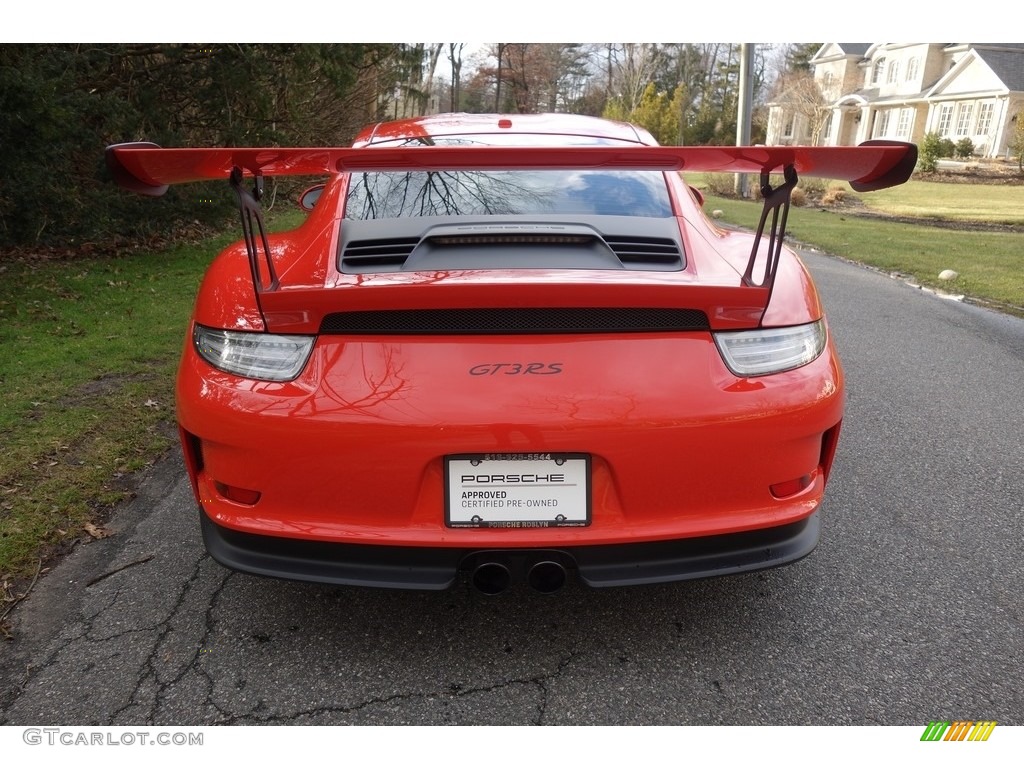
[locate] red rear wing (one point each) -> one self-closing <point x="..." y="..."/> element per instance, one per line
<point x="148" y="169"/>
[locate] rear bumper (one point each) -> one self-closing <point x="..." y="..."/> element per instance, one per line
<point x="436" y="568"/>
<point x="354" y="451"/>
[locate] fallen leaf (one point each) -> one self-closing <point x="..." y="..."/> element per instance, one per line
<point x="97" y="532"/>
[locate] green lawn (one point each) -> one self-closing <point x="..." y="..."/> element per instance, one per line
<point x="90" y="347"/>
<point x="949" y="201"/>
<point x="990" y="263"/>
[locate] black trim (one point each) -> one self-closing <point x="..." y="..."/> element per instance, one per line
<point x="436" y="568"/>
<point x="516" y="320"/>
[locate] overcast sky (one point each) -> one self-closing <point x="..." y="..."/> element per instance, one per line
<point x="521" y="21"/>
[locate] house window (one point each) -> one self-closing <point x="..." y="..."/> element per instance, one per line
<point x="963" y="118"/>
<point x="787" y="126"/>
<point x="826" y="129"/>
<point x="829" y="85"/>
<point x="945" y="118"/>
<point x="906" y="119"/>
<point x="894" y="72"/>
<point x="984" y="118"/>
<point x="911" y="70"/>
<point x="876" y="73"/>
<point x="881" y="123"/>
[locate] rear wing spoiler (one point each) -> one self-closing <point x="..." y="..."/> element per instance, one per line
<point x="147" y="169"/>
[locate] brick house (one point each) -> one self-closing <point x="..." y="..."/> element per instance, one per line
<point x="903" y="91"/>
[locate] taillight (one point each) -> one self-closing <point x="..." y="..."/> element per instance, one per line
<point x="771" y="350"/>
<point x="263" y="356"/>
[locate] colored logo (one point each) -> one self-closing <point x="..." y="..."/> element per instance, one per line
<point x="958" y="730"/>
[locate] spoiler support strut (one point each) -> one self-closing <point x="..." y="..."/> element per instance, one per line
<point x="253" y="231"/>
<point x="776" y="203"/>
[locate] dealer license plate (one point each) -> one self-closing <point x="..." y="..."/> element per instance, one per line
<point x="517" y="490"/>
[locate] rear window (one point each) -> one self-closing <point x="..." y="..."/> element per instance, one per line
<point x="507" y="193"/>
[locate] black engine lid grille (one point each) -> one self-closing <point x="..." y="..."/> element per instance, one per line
<point x="646" y="251"/>
<point x="377" y="255"/>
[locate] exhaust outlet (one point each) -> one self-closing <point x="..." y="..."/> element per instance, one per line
<point x="546" y="577"/>
<point x="491" y="578"/>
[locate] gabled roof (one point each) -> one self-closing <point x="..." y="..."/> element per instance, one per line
<point x="994" y="46"/>
<point x="834" y="51"/>
<point x="854" y="49"/>
<point x="1007" y="61"/>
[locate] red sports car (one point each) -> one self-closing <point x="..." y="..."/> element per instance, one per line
<point x="510" y="347"/>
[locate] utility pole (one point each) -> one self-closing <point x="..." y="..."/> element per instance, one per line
<point x="745" y="109"/>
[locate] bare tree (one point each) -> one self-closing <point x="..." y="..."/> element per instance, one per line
<point x="537" y="77"/>
<point x="802" y="100"/>
<point x="631" y="67"/>
<point x="497" y="79"/>
<point x="455" y="58"/>
<point x="1017" y="138"/>
<point x="432" y="55"/>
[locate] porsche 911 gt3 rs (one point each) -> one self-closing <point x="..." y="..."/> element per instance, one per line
<point x="512" y="348"/>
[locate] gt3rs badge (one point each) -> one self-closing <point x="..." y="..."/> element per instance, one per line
<point x="516" y="369"/>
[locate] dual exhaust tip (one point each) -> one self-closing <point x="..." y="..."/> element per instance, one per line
<point x="492" y="577"/>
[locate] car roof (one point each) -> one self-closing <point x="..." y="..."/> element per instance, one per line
<point x="456" y="124"/>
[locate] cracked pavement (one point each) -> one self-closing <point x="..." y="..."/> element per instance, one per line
<point x="909" y="610"/>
